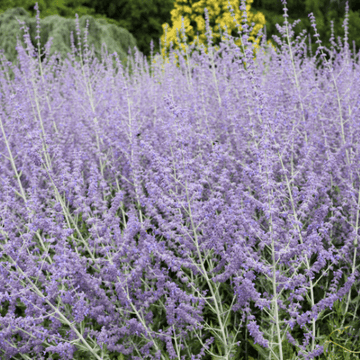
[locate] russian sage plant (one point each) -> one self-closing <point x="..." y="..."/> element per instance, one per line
<point x="212" y="216"/>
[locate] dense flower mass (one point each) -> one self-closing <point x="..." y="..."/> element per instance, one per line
<point x="177" y="215"/>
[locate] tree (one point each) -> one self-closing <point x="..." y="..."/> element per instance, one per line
<point x="324" y="11"/>
<point x="116" y="39"/>
<point x="142" y="18"/>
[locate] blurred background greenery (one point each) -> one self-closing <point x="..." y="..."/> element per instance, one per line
<point x="124" y="23"/>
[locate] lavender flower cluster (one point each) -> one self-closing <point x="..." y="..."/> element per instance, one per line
<point x="236" y="210"/>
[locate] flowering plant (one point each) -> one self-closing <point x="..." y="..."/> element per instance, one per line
<point x="133" y="227"/>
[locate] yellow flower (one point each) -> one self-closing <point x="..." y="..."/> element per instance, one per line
<point x="218" y="14"/>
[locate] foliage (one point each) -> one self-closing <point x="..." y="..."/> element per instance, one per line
<point x="142" y="18"/>
<point x="325" y="11"/>
<point x="192" y="14"/>
<point x="116" y="39"/>
<point x="145" y="19"/>
<point x="64" y="8"/>
<point x="342" y="340"/>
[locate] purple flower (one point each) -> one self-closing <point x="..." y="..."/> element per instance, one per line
<point x="161" y="226"/>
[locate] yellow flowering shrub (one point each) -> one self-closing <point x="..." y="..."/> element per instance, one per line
<point x="194" y="22"/>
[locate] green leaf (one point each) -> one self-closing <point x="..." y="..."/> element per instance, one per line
<point x="259" y="348"/>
